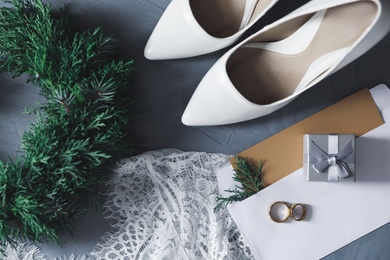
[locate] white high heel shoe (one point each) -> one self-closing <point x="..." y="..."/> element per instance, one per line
<point x="194" y="27"/>
<point x="272" y="67"/>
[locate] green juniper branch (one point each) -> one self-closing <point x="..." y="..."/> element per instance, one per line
<point x="250" y="180"/>
<point x="81" y="128"/>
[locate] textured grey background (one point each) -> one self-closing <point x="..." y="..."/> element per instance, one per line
<point x="166" y="87"/>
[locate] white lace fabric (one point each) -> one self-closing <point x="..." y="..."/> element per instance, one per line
<point x="161" y="206"/>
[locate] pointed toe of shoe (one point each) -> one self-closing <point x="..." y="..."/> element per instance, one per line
<point x="200" y="113"/>
<point x="207" y="105"/>
<point x="150" y="52"/>
<point x="178" y="35"/>
<point x="216" y="101"/>
<point x="192" y="118"/>
<point x="209" y="108"/>
<point x="154" y="51"/>
<point x="167" y="41"/>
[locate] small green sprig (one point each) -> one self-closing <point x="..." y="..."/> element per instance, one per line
<point x="250" y="179"/>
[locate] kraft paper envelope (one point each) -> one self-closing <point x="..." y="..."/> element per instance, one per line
<point x="282" y="153"/>
<point x="338" y="213"/>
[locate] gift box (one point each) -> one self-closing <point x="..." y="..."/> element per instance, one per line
<point x="329" y="158"/>
<point x="281" y="153"/>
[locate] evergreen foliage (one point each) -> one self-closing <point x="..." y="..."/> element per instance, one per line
<point x="81" y="128"/>
<point x="250" y="179"/>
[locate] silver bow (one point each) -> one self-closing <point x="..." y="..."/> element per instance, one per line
<point x="324" y="160"/>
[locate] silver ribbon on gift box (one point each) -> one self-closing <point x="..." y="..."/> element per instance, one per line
<point x="336" y="160"/>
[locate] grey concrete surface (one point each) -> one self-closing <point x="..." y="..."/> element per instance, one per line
<point x="166" y="87"/>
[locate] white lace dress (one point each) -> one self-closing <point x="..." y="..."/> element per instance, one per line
<point x="161" y="207"/>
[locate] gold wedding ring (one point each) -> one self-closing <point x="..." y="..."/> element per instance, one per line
<point x="296" y="211"/>
<point x="302" y="211"/>
<point x="277" y="207"/>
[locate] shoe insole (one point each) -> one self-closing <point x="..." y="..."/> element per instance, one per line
<point x="222" y="18"/>
<point x="264" y="76"/>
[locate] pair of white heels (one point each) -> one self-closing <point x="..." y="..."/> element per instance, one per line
<point x="273" y="66"/>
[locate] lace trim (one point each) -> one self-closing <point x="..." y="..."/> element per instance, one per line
<point x="161" y="207"/>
